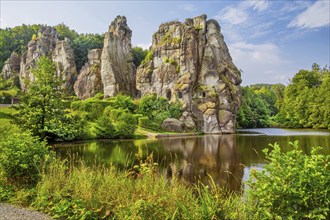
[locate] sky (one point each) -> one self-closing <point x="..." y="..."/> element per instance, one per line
<point x="269" y="41"/>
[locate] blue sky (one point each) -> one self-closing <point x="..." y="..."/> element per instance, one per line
<point x="269" y="41"/>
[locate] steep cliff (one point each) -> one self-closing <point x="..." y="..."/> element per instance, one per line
<point x="189" y="62"/>
<point x="63" y="58"/>
<point x="11" y="69"/>
<point x="43" y="44"/>
<point x="89" y="82"/>
<point x="46" y="43"/>
<point x="117" y="68"/>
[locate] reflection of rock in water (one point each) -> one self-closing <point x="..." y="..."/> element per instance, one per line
<point x="214" y="155"/>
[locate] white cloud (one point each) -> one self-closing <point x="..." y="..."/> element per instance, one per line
<point x="232" y="15"/>
<point x="317" y="15"/>
<point x="261" y="63"/>
<point x="188" y="7"/>
<point x="267" y="53"/>
<point x="260" y="5"/>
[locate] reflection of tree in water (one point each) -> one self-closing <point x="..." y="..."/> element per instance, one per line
<point x="210" y="154"/>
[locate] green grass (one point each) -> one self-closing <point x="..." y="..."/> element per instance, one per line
<point x="6" y="112"/>
<point x="139" y="193"/>
<point x="5" y="119"/>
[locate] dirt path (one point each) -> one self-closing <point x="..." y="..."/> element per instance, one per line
<point x="9" y="212"/>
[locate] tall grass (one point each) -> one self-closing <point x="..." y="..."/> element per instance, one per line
<point x="82" y="192"/>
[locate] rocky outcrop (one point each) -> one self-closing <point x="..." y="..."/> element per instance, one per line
<point x="173" y="124"/>
<point x="189" y="62"/>
<point x="47" y="43"/>
<point x="89" y="82"/>
<point x="43" y="44"/>
<point x="63" y="58"/>
<point x="117" y="68"/>
<point x="11" y="69"/>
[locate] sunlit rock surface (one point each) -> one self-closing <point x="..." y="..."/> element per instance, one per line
<point x="189" y="62"/>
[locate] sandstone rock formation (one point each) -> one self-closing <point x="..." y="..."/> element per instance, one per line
<point x="43" y="44"/>
<point x="89" y="82"/>
<point x="117" y="68"/>
<point x="11" y="69"/>
<point x="46" y="43"/>
<point x="63" y="58"/>
<point x="173" y="124"/>
<point x="189" y="62"/>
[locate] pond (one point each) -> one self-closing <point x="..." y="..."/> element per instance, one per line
<point x="227" y="158"/>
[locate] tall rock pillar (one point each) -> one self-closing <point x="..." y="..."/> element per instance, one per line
<point x="117" y="68"/>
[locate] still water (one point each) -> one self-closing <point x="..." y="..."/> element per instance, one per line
<point x="227" y="158"/>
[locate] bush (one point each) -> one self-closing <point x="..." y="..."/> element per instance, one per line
<point x="104" y="127"/>
<point x="71" y="127"/>
<point x="22" y="157"/>
<point x="93" y="106"/>
<point x="125" y="125"/>
<point x="157" y="109"/>
<point x="123" y="102"/>
<point x="292" y="186"/>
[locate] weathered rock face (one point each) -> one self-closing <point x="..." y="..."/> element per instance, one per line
<point x="89" y="82"/>
<point x="190" y="62"/>
<point x="43" y="44"/>
<point x="48" y="44"/>
<point x="117" y="68"/>
<point x="63" y="58"/>
<point x="173" y="124"/>
<point x="11" y="69"/>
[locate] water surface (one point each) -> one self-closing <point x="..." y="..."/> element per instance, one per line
<point x="227" y="158"/>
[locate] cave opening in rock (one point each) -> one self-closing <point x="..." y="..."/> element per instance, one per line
<point x="168" y="94"/>
<point x="180" y="95"/>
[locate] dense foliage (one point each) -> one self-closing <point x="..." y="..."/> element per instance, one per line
<point x="15" y="40"/>
<point x="8" y="89"/>
<point x="80" y="43"/>
<point x="155" y="110"/>
<point x="306" y="100"/>
<point x="138" y="55"/>
<point x="303" y="103"/>
<point x="292" y="186"/>
<point x="41" y="109"/>
<point x="260" y="103"/>
<point x="22" y="156"/>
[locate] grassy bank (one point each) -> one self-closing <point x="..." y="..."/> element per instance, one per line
<point x="81" y="192"/>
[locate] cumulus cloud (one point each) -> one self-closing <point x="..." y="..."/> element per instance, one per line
<point x="317" y="15"/>
<point x="232" y="15"/>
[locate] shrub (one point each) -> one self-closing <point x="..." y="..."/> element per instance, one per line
<point x="22" y="157"/>
<point x="123" y="102"/>
<point x="93" y="106"/>
<point x="125" y="125"/>
<point x="104" y="127"/>
<point x="71" y="127"/>
<point x="157" y="109"/>
<point x="292" y="186"/>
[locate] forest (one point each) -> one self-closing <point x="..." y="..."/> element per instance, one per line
<point x="303" y="103"/>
